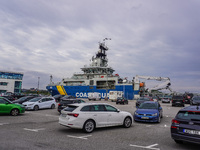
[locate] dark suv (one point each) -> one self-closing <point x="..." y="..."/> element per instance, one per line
<point x="121" y="100"/>
<point x="64" y="103"/>
<point x="178" y="100"/>
<point x="186" y="125"/>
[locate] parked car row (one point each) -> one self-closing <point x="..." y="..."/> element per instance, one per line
<point x="78" y="114"/>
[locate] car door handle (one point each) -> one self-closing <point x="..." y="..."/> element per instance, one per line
<point x="95" y="115"/>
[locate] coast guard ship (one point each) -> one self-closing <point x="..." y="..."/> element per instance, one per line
<point x="97" y="77"/>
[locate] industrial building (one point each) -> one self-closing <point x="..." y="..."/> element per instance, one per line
<point x="10" y="82"/>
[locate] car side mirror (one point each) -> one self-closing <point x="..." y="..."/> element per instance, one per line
<point x="118" y="110"/>
<point x="160" y="108"/>
<point x="6" y="103"/>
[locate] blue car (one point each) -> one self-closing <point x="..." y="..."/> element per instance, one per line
<point x="149" y="111"/>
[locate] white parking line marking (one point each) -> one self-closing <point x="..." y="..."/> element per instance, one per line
<point x="34" y="130"/>
<point x="149" y="125"/>
<point x="1" y="124"/>
<point x="147" y="147"/>
<point x="51" y="115"/>
<point x="80" y="137"/>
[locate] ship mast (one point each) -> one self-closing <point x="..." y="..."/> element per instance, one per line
<point x="99" y="64"/>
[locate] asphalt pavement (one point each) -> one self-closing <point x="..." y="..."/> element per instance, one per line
<point x="40" y="130"/>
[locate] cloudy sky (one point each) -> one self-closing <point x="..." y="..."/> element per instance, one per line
<point x="149" y="37"/>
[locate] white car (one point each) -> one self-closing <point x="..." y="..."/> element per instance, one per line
<point x="40" y="103"/>
<point x="88" y="116"/>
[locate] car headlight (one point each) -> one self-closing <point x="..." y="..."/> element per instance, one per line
<point x="30" y="104"/>
<point x="136" y="113"/>
<point x="154" y="114"/>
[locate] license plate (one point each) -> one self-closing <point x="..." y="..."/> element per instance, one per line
<point x="145" y="117"/>
<point x="191" y="131"/>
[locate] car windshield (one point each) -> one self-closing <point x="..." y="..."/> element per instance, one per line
<point x="5" y="99"/>
<point x="148" y="106"/>
<point x="35" y="99"/>
<point x="196" y="98"/>
<point x="143" y="99"/>
<point x="22" y="98"/>
<point x="189" y="115"/>
<point x="56" y="96"/>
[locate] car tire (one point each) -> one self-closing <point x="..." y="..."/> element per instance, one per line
<point x="89" y="126"/>
<point x="53" y="106"/>
<point x="116" y="103"/>
<point x="36" y="107"/>
<point x="178" y="141"/>
<point x="14" y="112"/>
<point x="127" y="102"/>
<point x="127" y="122"/>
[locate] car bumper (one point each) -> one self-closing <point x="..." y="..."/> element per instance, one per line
<point x="22" y="110"/>
<point x="165" y="101"/>
<point x="146" y="118"/>
<point x="185" y="138"/>
<point x="28" y="107"/>
<point x="70" y="122"/>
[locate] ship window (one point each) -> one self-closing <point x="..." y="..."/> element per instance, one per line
<point x="91" y="82"/>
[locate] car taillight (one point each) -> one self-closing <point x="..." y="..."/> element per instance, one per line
<point x="59" y="104"/>
<point x="73" y="114"/>
<point x="175" y="123"/>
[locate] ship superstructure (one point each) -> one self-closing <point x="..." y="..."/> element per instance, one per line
<point x="97" y="77"/>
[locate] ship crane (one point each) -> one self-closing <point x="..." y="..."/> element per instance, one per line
<point x="164" y="85"/>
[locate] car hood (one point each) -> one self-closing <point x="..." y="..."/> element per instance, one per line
<point x="27" y="103"/>
<point x="146" y="110"/>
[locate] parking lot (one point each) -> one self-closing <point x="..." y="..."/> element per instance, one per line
<point x="37" y="130"/>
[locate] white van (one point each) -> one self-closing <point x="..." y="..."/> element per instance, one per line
<point x="94" y="96"/>
<point x="113" y="95"/>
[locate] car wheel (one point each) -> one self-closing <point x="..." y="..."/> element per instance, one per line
<point x="116" y="103"/>
<point x="127" y="122"/>
<point x="178" y="141"/>
<point x="89" y="126"/>
<point x="127" y="102"/>
<point x="14" y="112"/>
<point x="36" y="107"/>
<point x="183" y="105"/>
<point x="53" y="106"/>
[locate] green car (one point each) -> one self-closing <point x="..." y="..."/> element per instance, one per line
<point x="7" y="107"/>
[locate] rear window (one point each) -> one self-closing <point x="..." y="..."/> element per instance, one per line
<point x="70" y="108"/>
<point x="189" y="115"/>
<point x="67" y="101"/>
<point x="177" y="97"/>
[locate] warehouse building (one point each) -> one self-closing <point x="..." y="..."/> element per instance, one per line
<point x="10" y="82"/>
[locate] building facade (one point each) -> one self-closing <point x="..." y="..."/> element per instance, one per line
<point x="10" y="82"/>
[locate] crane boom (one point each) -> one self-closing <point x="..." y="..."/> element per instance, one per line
<point x="164" y="85"/>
